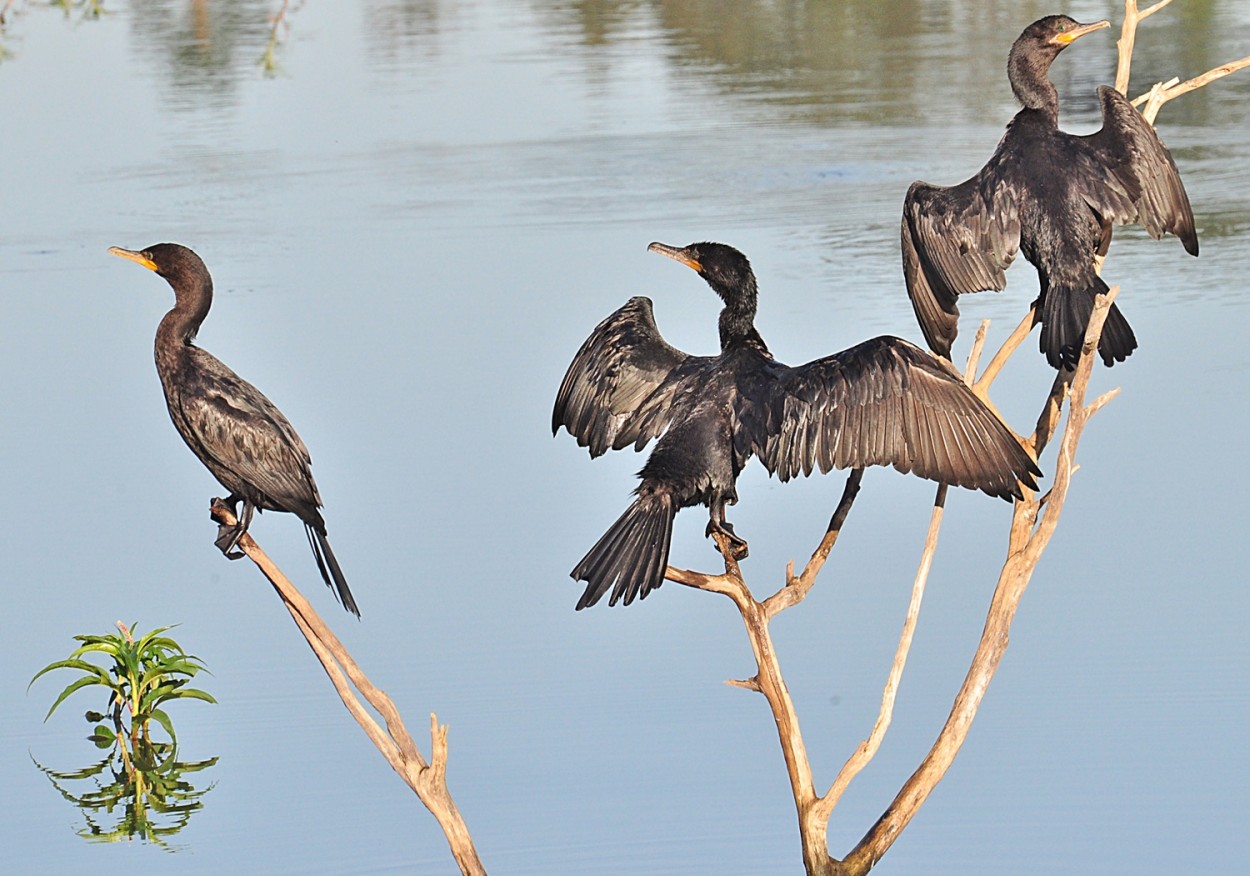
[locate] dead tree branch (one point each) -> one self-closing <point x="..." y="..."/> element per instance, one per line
<point x="427" y="779"/>
<point x="1031" y="530"/>
<point x="1161" y="92"/>
<point x="1128" y="38"/>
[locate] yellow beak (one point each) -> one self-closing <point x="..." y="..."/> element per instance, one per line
<point x="133" y="256"/>
<point x="1069" y="36"/>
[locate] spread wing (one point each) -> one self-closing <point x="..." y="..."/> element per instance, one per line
<point x="887" y="402"/>
<point x="1140" y="183"/>
<point x="956" y="239"/>
<point x="243" y="438"/>
<point x="620" y="387"/>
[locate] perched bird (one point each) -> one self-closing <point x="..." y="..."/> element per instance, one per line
<point x="883" y="402"/>
<point x="239" y="435"/>
<point x="1051" y="194"/>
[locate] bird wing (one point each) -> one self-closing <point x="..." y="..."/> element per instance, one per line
<point x="244" y="439"/>
<point x="1144" y="186"/>
<point x="956" y="239"/>
<point x="887" y="402"/>
<point x="621" y="384"/>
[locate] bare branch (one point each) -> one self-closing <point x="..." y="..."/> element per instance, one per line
<point x="1161" y="94"/>
<point x="1029" y="539"/>
<point x="974" y="355"/>
<point x="868" y="748"/>
<point x="1014" y="340"/>
<point x="395" y="743"/>
<point x="796" y="589"/>
<point x="1128" y="36"/>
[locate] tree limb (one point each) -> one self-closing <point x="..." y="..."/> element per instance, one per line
<point x="428" y="780"/>
<point x="1029" y="539"/>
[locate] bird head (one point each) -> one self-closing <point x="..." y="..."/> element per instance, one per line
<point x="1054" y="33"/>
<point x="181" y="267"/>
<point x="1033" y="52"/>
<point x="724" y="268"/>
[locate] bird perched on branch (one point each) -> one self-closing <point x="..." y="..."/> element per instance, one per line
<point x="239" y="435"/>
<point x="1053" y="195"/>
<point x="883" y="402"/>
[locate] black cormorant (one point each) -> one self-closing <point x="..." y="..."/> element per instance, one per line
<point x="242" y="438"/>
<point x="1053" y="195"/>
<point x="883" y="402"/>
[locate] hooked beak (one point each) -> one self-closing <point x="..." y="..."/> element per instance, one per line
<point x="132" y="255"/>
<point x="1070" y="36"/>
<point x="677" y="254"/>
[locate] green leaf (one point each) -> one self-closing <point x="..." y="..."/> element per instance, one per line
<point x="82" y="665"/>
<point x="163" y="719"/>
<point x="191" y="693"/>
<point x="77" y="685"/>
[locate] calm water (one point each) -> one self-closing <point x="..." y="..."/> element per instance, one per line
<point x="412" y="226"/>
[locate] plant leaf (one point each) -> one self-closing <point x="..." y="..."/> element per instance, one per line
<point x="77" y="685"/>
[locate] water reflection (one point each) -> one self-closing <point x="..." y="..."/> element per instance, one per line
<point x="202" y="49"/>
<point x="146" y="796"/>
<point x="400" y="29"/>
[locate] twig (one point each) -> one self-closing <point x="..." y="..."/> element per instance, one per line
<point x="1014" y="340"/>
<point x="1128" y="37"/>
<point x="1162" y="93"/>
<point x="867" y="749"/>
<point x="428" y="780"/>
<point x="796" y="588"/>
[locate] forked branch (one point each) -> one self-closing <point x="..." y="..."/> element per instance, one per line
<point x="1029" y="538"/>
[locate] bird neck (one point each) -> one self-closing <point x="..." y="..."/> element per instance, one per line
<point x="180" y="325"/>
<point x="737" y="319"/>
<point x="1027" y="72"/>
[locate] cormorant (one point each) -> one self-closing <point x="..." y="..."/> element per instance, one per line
<point x="883" y="402"/>
<point x="1053" y="195"/>
<point x="239" y="435"/>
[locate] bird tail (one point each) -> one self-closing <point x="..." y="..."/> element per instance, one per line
<point x="1065" y="316"/>
<point x="631" y="556"/>
<point x="329" y="567"/>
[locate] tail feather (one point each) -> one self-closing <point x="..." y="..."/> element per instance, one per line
<point x="630" y="558"/>
<point x="1065" y="317"/>
<point x="329" y="568"/>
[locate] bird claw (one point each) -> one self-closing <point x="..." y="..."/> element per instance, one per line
<point x="227" y="541"/>
<point x="737" y="546"/>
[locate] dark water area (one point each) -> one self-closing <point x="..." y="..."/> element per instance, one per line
<point x="412" y="225"/>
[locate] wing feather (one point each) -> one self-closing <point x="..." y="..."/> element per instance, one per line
<point x="956" y="239"/>
<point x="621" y="387"/>
<point x="1143" y="187"/>
<point x="243" y="439"/>
<point x="887" y="402"/>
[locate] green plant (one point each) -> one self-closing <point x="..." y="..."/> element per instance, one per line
<point x="145" y="675"/>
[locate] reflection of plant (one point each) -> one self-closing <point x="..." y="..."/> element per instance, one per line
<point x="150" y="796"/>
<point x="145" y="675"/>
<point x="89" y="8"/>
<point x="279" y="25"/>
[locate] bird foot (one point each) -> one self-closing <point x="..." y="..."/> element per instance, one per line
<point x="227" y="541"/>
<point x="228" y="534"/>
<point x="737" y="546"/>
